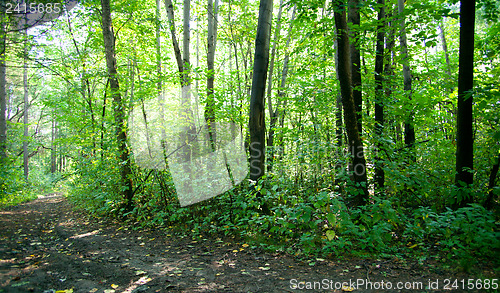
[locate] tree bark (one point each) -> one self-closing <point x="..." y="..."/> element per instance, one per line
<point x="189" y="131"/>
<point x="257" y="124"/>
<point x="26" y="106"/>
<point x="446" y="53"/>
<point x="358" y="166"/>
<point x="119" y="111"/>
<point x="53" y="153"/>
<point x="3" y="83"/>
<point x="211" y="45"/>
<point x="465" y="139"/>
<point x="357" y="93"/>
<point x="409" y="128"/>
<point x="379" y="95"/>
<point x="272" y="115"/>
<point x="279" y="112"/>
<point x="159" y="85"/>
<point x="169" y="7"/>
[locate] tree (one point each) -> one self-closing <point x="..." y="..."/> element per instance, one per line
<point x="465" y="138"/>
<point x="358" y="166"/>
<point x="118" y="105"/>
<point x="184" y="66"/>
<point x="171" y="23"/>
<point x="257" y="124"/>
<point x="211" y="43"/>
<point x="379" y="94"/>
<point x="409" y="127"/>
<point x="3" y="82"/>
<point x="357" y="92"/>
<point x="279" y="112"/>
<point x="26" y="106"/>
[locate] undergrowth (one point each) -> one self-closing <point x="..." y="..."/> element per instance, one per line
<point x="306" y="222"/>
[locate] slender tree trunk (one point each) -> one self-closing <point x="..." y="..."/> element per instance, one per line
<point x="119" y="111"/>
<point x="338" y="119"/>
<point x="354" y="18"/>
<point x="171" y="23"/>
<point x="26" y="106"/>
<point x="3" y="82"/>
<point x="53" y="153"/>
<point x="279" y="112"/>
<point x="189" y="131"/>
<point x="158" y="51"/>
<point x="103" y="118"/>
<point x="338" y="124"/>
<point x="465" y="138"/>
<point x="390" y="43"/>
<point x="186" y="41"/>
<point x="446" y="53"/>
<point x="491" y="184"/>
<point x="211" y="43"/>
<point x="379" y="95"/>
<point x="409" y="128"/>
<point x="159" y="86"/>
<point x="358" y="166"/>
<point x="272" y="115"/>
<point x="257" y="124"/>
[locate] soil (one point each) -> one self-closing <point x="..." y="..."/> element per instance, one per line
<point x="48" y="246"/>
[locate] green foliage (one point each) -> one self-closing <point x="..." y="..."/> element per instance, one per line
<point x="14" y="189"/>
<point x="309" y="188"/>
<point x="467" y="231"/>
<point x="95" y="187"/>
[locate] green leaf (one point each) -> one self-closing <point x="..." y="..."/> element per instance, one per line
<point x="330" y="234"/>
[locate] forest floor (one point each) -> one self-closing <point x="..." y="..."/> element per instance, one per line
<point x="47" y="246"/>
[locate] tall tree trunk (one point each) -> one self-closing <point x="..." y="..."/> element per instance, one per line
<point x="358" y="166"/>
<point x="390" y="43"/>
<point x="26" y="106"/>
<point x="169" y="7"/>
<point x="446" y="53"/>
<point x="465" y="139"/>
<point x="3" y="82"/>
<point x="257" y="123"/>
<point x="279" y="112"/>
<point x="211" y="43"/>
<point x="189" y="131"/>
<point x="119" y="111"/>
<point x="379" y="95"/>
<point x="159" y="85"/>
<point x="357" y="92"/>
<point x="409" y="128"/>
<point x="53" y="153"/>
<point x="273" y="117"/>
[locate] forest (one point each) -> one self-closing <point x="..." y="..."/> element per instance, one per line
<point x="305" y="127"/>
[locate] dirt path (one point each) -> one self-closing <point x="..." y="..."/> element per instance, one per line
<point x="46" y="245"/>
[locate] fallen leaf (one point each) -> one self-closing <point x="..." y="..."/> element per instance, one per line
<point x="143" y="280"/>
<point x="114" y="286"/>
<point x="138" y="273"/>
<point x="93" y="290"/>
<point x="347" y="288"/>
<point x="65" y="291"/>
